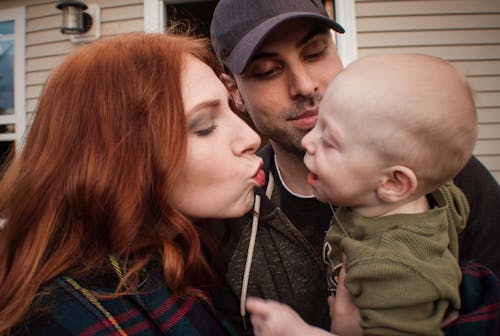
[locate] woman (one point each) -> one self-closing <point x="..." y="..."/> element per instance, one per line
<point x="133" y="140"/>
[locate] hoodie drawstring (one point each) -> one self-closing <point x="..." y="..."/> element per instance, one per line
<point x="251" y="245"/>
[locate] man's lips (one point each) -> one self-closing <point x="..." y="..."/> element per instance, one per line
<point x="306" y="119"/>
<point x="307" y="113"/>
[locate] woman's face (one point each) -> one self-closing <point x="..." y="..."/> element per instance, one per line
<point x="221" y="168"/>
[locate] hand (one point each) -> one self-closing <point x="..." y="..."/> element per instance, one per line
<point x="451" y="316"/>
<point x="271" y="318"/>
<point x="344" y="314"/>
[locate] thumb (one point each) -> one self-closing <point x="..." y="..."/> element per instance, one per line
<point x="258" y="306"/>
<point x="331" y="304"/>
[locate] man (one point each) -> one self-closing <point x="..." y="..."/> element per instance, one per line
<point x="279" y="58"/>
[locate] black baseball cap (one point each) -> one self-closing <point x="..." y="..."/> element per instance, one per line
<point x="239" y="26"/>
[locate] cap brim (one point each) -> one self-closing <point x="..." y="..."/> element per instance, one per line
<point x="245" y="48"/>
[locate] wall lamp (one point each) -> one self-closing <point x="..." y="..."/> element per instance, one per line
<point x="82" y="25"/>
<point x="74" y="19"/>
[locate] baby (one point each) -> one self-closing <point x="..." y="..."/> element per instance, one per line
<point x="392" y="132"/>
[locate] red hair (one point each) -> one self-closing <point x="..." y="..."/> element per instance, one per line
<point x="94" y="178"/>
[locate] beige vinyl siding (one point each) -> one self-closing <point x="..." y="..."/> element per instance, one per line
<point x="46" y="47"/>
<point x="465" y="32"/>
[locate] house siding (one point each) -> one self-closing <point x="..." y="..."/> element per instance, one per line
<point x="47" y="47"/>
<point x="464" y="32"/>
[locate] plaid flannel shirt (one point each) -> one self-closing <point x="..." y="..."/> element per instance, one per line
<point x="480" y="295"/>
<point x="154" y="310"/>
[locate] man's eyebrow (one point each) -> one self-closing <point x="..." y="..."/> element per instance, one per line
<point x="309" y="36"/>
<point x="262" y="55"/>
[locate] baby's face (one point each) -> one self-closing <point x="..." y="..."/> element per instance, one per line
<point x="344" y="168"/>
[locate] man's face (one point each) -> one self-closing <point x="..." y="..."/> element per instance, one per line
<point x="285" y="80"/>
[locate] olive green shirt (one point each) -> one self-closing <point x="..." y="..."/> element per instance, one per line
<point x="402" y="269"/>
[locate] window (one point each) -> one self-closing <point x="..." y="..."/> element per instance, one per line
<point x="12" y="83"/>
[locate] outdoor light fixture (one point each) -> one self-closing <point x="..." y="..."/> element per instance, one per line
<point x="81" y="21"/>
<point x="74" y="19"/>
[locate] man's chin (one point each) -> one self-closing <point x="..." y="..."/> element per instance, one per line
<point x="291" y="147"/>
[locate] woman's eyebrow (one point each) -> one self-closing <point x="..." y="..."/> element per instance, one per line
<point x="203" y="105"/>
<point x="195" y="115"/>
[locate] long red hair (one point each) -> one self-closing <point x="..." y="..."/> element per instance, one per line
<point x="107" y="142"/>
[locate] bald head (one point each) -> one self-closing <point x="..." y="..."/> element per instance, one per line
<point x="417" y="109"/>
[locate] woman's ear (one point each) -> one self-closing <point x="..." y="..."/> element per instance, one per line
<point x="398" y="183"/>
<point x="233" y="92"/>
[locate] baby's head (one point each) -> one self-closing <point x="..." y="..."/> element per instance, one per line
<point x="409" y="111"/>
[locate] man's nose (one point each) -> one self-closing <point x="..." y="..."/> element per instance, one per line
<point x="302" y="84"/>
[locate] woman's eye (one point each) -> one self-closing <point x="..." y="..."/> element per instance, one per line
<point x="205" y="131"/>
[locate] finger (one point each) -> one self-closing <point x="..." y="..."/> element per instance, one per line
<point x="343" y="302"/>
<point x="344" y="265"/>
<point x="257" y="322"/>
<point x="450" y="318"/>
<point x="257" y="329"/>
<point x="331" y="300"/>
<point x="260" y="306"/>
<point x="331" y="305"/>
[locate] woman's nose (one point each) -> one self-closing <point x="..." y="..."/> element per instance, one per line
<point x="246" y="139"/>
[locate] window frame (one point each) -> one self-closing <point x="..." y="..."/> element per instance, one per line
<point x="18" y="15"/>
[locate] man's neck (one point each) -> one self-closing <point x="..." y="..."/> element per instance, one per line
<point x="292" y="170"/>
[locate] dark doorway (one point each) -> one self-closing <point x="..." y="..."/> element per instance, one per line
<point x="197" y="13"/>
<point x="6" y="148"/>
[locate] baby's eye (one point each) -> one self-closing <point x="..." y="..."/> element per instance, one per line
<point x="326" y="143"/>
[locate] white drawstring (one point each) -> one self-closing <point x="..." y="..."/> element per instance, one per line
<point x="270" y="186"/>
<point x="251" y="245"/>
<point x="248" y="265"/>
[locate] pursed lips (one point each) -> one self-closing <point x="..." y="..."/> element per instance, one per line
<point x="312" y="179"/>
<point x="259" y="176"/>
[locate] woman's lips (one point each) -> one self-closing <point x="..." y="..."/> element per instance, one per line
<point x="260" y="177"/>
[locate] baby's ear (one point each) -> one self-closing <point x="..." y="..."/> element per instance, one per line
<point x="233" y="92"/>
<point x="398" y="183"/>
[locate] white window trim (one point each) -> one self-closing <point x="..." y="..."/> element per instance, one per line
<point x="154" y="16"/>
<point x="17" y="14"/>
<point x="347" y="43"/>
